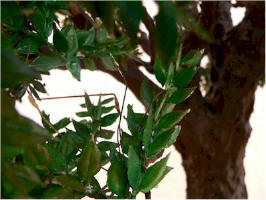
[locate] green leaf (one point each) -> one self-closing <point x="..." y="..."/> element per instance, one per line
<point x="37" y="157"/>
<point x="57" y="192"/>
<point x="35" y="94"/>
<point x="28" y="46"/>
<point x="101" y="35"/>
<point x="46" y="63"/>
<point x="134" y="120"/>
<point x="81" y="128"/>
<point x="38" y="86"/>
<point x="21" y="177"/>
<point x="108" y="63"/>
<point x="14" y="70"/>
<point x="71" y="36"/>
<point x="60" y="41"/>
<point x="146" y="94"/>
<point x="109" y="119"/>
<point x="90" y="161"/>
<point x="62" y="123"/>
<point x="134" y="168"/>
<point x="153" y="175"/>
<point x="117" y="177"/>
<point x="107" y="146"/>
<point x="192" y="58"/>
<point x="171" y="119"/>
<point x="180" y="95"/>
<point x="88" y="103"/>
<point x="131" y="13"/>
<point x="39" y="21"/>
<point x="106" y="134"/>
<point x="57" y="161"/>
<point x="184" y="77"/>
<point x="170" y="76"/>
<point x="147" y="133"/>
<point x="69" y="182"/>
<point x="159" y="71"/>
<point x="160" y="142"/>
<point x="74" y="67"/>
<point x="86" y="38"/>
<point x="106" y="101"/>
<point x="166" y="33"/>
<point x="174" y="136"/>
<point x="128" y="140"/>
<point x="107" y="109"/>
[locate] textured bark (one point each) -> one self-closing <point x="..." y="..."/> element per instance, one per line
<point x="215" y="133"/>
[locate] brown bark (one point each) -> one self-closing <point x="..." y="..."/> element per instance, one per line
<point x="215" y="133"/>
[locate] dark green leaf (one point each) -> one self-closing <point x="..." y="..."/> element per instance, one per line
<point x="134" y="168"/>
<point x="183" y="78"/>
<point x="60" y="41"/>
<point x="86" y="38"/>
<point x="57" y="161"/>
<point x="35" y="94"/>
<point x="83" y="114"/>
<point x="109" y="119"/>
<point x="159" y="71"/>
<point x="134" y="121"/>
<point x="81" y="128"/>
<point x="170" y="76"/>
<point x="62" y="123"/>
<point x="90" y="161"/>
<point x="46" y="63"/>
<point x="174" y="136"/>
<point x="74" y="67"/>
<point x="171" y="119"/>
<point x="153" y="175"/>
<point x="106" y="101"/>
<point x="28" y="46"/>
<point x="117" y="177"/>
<point x="106" y="145"/>
<point x="39" y="21"/>
<point x="71" y="36"/>
<point x="14" y="70"/>
<point x="147" y="133"/>
<point x="192" y="58"/>
<point x="180" y="95"/>
<point x="166" y="32"/>
<point x="131" y="13"/>
<point x="69" y="182"/>
<point x="57" y="192"/>
<point x="128" y="140"/>
<point x="146" y="94"/>
<point x="38" y="86"/>
<point x="160" y="142"/>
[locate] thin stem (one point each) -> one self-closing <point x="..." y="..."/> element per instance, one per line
<point x="76" y="96"/>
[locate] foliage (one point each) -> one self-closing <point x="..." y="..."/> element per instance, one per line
<point x="57" y="162"/>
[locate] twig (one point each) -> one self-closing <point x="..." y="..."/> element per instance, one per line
<point x="76" y="96"/>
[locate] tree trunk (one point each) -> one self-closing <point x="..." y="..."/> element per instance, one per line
<point x="216" y="132"/>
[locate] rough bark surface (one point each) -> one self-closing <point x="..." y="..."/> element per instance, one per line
<point x="215" y="133"/>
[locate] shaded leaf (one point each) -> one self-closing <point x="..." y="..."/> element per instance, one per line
<point x="147" y="133"/>
<point x="109" y="119"/>
<point x="106" y="134"/>
<point x="86" y="38"/>
<point x="146" y="94"/>
<point x="117" y="177"/>
<point x="184" y="77"/>
<point x="180" y="95"/>
<point x="106" y="145"/>
<point x="108" y="63"/>
<point x="159" y="71"/>
<point x="69" y="182"/>
<point x="28" y="46"/>
<point x="90" y="161"/>
<point x="60" y="41"/>
<point x="153" y="175"/>
<point x="74" y="67"/>
<point x="46" y="63"/>
<point x="192" y="58"/>
<point x="134" y="168"/>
